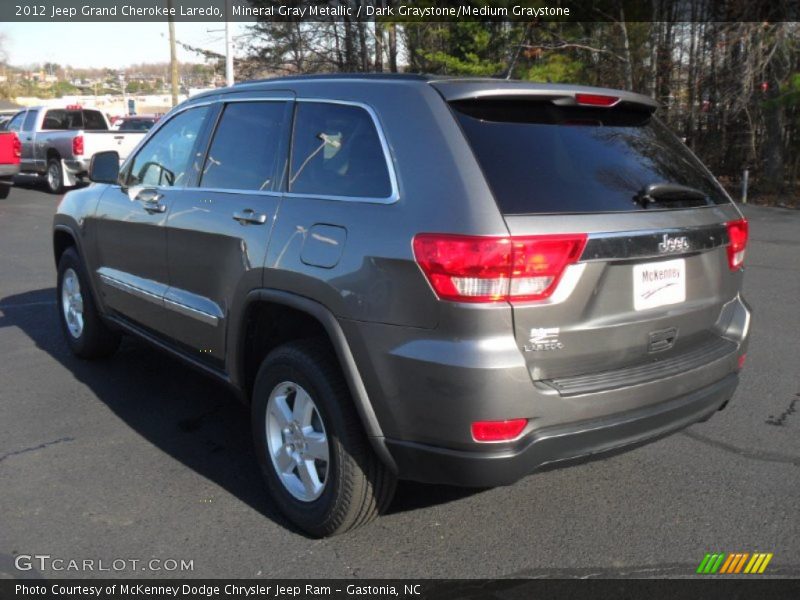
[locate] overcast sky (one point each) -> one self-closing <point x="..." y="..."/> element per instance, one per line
<point x="112" y="45"/>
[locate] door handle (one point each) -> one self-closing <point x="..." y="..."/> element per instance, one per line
<point x="154" y="207"/>
<point x="150" y="201"/>
<point x="149" y="195"/>
<point x="250" y="216"/>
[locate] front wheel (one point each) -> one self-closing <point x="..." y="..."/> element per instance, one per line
<point x="315" y="457"/>
<point x="86" y="333"/>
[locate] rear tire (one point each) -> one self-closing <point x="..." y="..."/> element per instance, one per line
<point x="86" y="333"/>
<point x="321" y="497"/>
<point x="54" y="177"/>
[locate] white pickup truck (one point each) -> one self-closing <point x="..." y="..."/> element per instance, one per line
<point x="59" y="143"/>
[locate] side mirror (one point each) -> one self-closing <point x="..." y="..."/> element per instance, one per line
<point x="104" y="167"/>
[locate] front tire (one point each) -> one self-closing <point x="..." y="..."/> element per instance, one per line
<point x="86" y="333"/>
<point x="54" y="177"/>
<point x="315" y="457"/>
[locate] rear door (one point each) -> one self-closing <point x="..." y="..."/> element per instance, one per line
<point x="650" y="271"/>
<point x="218" y="232"/>
<point x="131" y="222"/>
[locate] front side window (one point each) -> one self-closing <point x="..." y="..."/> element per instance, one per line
<point x="15" y="124"/>
<point x="165" y="159"/>
<point x="336" y="151"/>
<point x="245" y="147"/>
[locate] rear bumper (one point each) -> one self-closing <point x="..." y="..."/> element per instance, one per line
<point x="9" y="170"/>
<point x="421" y="462"/>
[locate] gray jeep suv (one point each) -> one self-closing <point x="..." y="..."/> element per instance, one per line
<point x="407" y="277"/>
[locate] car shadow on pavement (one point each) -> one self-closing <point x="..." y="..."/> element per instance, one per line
<point x="29" y="182"/>
<point x="190" y="416"/>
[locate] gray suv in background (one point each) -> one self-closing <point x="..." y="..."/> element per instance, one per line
<point x="406" y="277"/>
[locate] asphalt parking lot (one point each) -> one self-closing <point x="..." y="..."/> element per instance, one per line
<point x="139" y="457"/>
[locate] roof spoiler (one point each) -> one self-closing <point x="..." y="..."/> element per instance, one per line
<point x="563" y="95"/>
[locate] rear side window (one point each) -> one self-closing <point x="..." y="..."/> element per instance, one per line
<point x="542" y="158"/>
<point x="336" y="151"/>
<point x="245" y="147"/>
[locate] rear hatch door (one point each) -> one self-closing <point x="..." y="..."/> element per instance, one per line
<point x="651" y="282"/>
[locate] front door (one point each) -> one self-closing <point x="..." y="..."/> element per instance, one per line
<point x="131" y="219"/>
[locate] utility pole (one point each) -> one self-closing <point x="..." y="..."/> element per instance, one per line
<point x="228" y="49"/>
<point x="173" y="55"/>
<point x="122" y="85"/>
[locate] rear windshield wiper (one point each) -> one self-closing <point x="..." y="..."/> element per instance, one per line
<point x="670" y="193"/>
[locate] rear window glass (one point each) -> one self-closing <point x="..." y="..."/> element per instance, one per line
<point x="136" y="124"/>
<point x="93" y="121"/>
<point x="336" y="151"/>
<point x="541" y="158"/>
<point x="90" y="120"/>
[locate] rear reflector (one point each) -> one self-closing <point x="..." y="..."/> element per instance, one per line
<point x="596" y="100"/>
<point x="490" y="269"/>
<point x="497" y="431"/>
<point x="737" y="243"/>
<point x="740" y="364"/>
<point x="77" y="145"/>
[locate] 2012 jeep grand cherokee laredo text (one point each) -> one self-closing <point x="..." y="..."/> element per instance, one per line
<point x="444" y="280"/>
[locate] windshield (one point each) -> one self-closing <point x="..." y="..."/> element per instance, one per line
<point x="542" y="158"/>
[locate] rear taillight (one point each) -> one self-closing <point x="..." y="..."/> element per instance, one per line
<point x="77" y="145"/>
<point x="16" y="146"/>
<point x="490" y="269"/>
<point x="596" y="100"/>
<point x="737" y="243"/>
<point x="497" y="431"/>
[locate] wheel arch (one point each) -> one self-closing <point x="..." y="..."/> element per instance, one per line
<point x="64" y="237"/>
<point x="329" y="326"/>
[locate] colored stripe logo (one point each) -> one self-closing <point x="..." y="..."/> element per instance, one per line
<point x="734" y="563"/>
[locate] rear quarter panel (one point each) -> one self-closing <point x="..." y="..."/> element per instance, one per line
<point x="59" y="141"/>
<point x="440" y="189"/>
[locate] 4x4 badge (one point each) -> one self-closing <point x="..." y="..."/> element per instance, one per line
<point x="543" y="338"/>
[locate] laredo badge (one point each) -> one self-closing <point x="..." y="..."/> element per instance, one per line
<point x="543" y="338"/>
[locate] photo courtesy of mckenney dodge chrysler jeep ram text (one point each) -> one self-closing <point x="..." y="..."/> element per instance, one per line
<point x="406" y="277"/>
